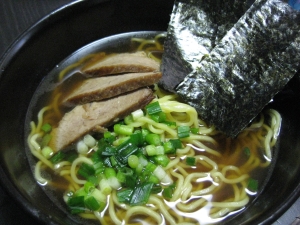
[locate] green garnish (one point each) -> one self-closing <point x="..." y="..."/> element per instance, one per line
<point x="153" y="108"/>
<point x="183" y="131"/>
<point x="253" y="185"/>
<point x="191" y="161"/>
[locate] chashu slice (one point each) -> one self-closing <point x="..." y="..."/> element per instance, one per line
<point x="123" y="63"/>
<point x="96" y="89"/>
<point x="95" y="116"/>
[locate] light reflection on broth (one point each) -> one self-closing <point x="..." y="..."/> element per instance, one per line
<point x="206" y="193"/>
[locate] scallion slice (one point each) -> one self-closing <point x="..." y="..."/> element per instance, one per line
<point x="46" y="127"/>
<point x="183" y="131"/>
<point x="191" y="161"/>
<point x="141" y="194"/>
<point x="253" y="185"/>
<point x="153" y="108"/>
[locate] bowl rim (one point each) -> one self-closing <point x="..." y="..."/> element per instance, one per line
<point x="7" y="57"/>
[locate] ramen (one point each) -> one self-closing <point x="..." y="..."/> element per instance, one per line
<point x="158" y="164"/>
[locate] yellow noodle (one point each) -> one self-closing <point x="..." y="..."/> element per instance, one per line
<point x="179" y="185"/>
<point x="37" y="174"/>
<point x="161" y="126"/>
<point x="191" y="206"/>
<point x="142" y="210"/>
<point x="112" y="212"/>
<point x="237" y="204"/>
<point x="199" y="145"/>
<point x="229" y="181"/>
<point x="161" y="206"/>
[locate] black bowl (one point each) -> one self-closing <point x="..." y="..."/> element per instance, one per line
<point x="47" y="43"/>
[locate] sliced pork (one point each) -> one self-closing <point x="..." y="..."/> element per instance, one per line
<point x="96" y="89"/>
<point x="123" y="63"/>
<point x="95" y="116"/>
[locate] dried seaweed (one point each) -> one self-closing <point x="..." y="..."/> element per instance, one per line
<point x="194" y="29"/>
<point x="254" y="61"/>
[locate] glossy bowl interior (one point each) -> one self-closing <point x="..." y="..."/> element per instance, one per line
<point x="60" y="34"/>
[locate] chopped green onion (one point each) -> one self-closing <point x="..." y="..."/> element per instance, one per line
<point x="124" y="151"/>
<point x="131" y="181"/>
<point x="58" y="157"/>
<point x="46" y="139"/>
<point x="91" y="203"/>
<point x="160" y="150"/>
<point x="128" y="119"/>
<point x="144" y="133"/>
<point x="105" y="186"/>
<point x="252" y="185"/>
<point x="80" y="192"/>
<point x="47" y="152"/>
<point x="82" y="148"/>
<point x="124" y="195"/>
<point x="136" y="138"/>
<point x="114" y="183"/>
<point x="169" y="148"/>
<point x="151" y="150"/>
<point x="153" y="139"/>
<point x="158" y="117"/>
<point x="120" y="141"/>
<point x="153" y="179"/>
<point x="143" y="160"/>
<point x="46" y="127"/>
<point x="89" y="140"/>
<point x="109" y="137"/>
<point x="176" y="143"/>
<point x="108" y="151"/>
<point x="99" y="196"/>
<point x="247" y="151"/>
<point x="107" y="134"/>
<point x="123" y="129"/>
<point x="99" y="167"/>
<point x="113" y="161"/>
<point x="170" y="124"/>
<point x="137" y="114"/>
<point x="161" y="174"/>
<point x="183" y="131"/>
<point x="139" y="169"/>
<point x="156" y="189"/>
<point x="124" y="174"/>
<point x="85" y="170"/>
<point x="195" y="130"/>
<point x="88" y="187"/>
<point x="76" y="204"/>
<point x="93" y="179"/>
<point x="71" y="156"/>
<point x="168" y="191"/>
<point x="153" y="108"/>
<point x="121" y="177"/>
<point x="191" y="161"/>
<point x="150" y="167"/>
<point x="141" y="194"/>
<point x="109" y="172"/>
<point x="133" y="161"/>
<point x="106" y="162"/>
<point x="162" y="160"/>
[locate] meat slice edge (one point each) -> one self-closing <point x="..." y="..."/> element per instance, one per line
<point x="123" y="63"/>
<point x="90" y="117"/>
<point x="96" y="89"/>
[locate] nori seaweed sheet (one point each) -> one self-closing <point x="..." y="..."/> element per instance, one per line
<point x="252" y="63"/>
<point x="194" y="29"/>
